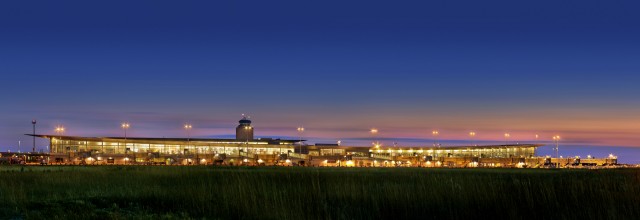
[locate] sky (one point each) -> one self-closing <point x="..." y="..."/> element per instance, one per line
<point x="338" y="68"/>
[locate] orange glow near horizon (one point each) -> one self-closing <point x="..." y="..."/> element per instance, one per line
<point x="580" y="128"/>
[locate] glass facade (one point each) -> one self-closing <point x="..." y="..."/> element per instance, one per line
<point x="122" y="146"/>
<point x="482" y="151"/>
<point x="91" y="150"/>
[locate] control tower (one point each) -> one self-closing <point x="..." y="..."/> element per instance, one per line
<point x="244" y="131"/>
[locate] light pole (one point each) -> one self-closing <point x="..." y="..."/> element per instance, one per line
<point x="125" y="126"/>
<point x="33" y="122"/>
<point x="506" y="138"/>
<point x="472" y="134"/>
<point x="246" y="147"/>
<point x="557" y="140"/>
<point x="435" y="134"/>
<point x="59" y="132"/>
<point x="374" y="132"/>
<point x="300" y="131"/>
<point x="188" y="127"/>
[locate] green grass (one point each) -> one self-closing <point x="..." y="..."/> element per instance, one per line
<point x="146" y="192"/>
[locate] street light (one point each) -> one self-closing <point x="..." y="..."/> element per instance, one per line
<point x="300" y="131"/>
<point x="435" y="134"/>
<point x="188" y="127"/>
<point x="125" y="126"/>
<point x="246" y="147"/>
<point x="506" y="138"/>
<point x="59" y="131"/>
<point x="472" y="134"/>
<point x="374" y="132"/>
<point x="556" y="139"/>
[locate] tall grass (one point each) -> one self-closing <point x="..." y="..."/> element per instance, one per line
<point x="146" y="192"/>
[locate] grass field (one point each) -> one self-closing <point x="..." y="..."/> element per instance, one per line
<point x="145" y="192"/>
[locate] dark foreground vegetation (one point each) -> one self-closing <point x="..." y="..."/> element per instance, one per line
<point x="145" y="192"/>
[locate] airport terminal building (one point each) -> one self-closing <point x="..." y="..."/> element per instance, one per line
<point x="247" y="150"/>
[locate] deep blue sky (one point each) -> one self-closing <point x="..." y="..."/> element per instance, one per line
<point x="336" y="67"/>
